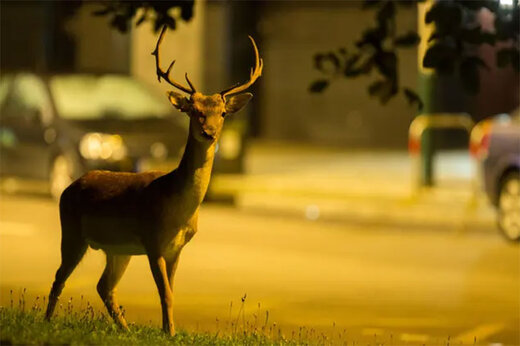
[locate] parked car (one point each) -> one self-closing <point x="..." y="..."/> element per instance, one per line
<point x="499" y="152"/>
<point x="55" y="128"/>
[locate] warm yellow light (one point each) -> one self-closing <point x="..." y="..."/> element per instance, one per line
<point x="95" y="146"/>
<point x="230" y="144"/>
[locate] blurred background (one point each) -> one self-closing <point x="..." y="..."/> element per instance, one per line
<point x="371" y="185"/>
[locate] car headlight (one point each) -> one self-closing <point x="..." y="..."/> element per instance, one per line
<point x="95" y="146"/>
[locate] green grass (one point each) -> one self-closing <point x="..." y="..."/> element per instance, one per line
<point x="87" y="328"/>
<point x="24" y="325"/>
<point x="83" y="325"/>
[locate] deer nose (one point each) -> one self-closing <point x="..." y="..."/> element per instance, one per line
<point x="209" y="132"/>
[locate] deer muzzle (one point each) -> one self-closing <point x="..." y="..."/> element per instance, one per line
<point x="210" y="135"/>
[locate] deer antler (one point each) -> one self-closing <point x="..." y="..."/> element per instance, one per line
<point x="255" y="73"/>
<point x="166" y="75"/>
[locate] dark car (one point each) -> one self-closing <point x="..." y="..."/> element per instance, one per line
<point x="499" y="152"/>
<point x="55" y="128"/>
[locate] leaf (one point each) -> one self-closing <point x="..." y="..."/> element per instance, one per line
<point x="434" y="36"/>
<point x="372" y="37"/>
<point x="376" y="87"/>
<point x="476" y="36"/>
<point x="170" y="21"/>
<point x="164" y="20"/>
<point x="141" y="19"/>
<point x="503" y="57"/>
<point x="487" y="37"/>
<point x="367" y="65"/>
<point x="130" y="10"/>
<point x="408" y="3"/>
<point x="371" y="3"/>
<point x="350" y="63"/>
<point x="318" y="86"/>
<point x="413" y="98"/>
<point x="477" y="61"/>
<point x="386" y="12"/>
<point x="508" y="56"/>
<point x="326" y="63"/>
<point x="386" y="62"/>
<point x="359" y="68"/>
<point x="382" y="89"/>
<point x="470" y="76"/>
<point x="447" y="16"/>
<point x="411" y="38"/>
<point x="103" y="11"/>
<point x="515" y="60"/>
<point x="441" y="57"/>
<point x="432" y="14"/>
<point x="187" y="10"/>
<point x="120" y="23"/>
<point x="476" y="5"/>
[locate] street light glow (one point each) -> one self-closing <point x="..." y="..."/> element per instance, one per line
<point x="506" y="3"/>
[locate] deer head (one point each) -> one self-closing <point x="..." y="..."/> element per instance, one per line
<point x="207" y="112"/>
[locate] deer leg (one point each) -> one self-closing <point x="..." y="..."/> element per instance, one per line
<point x="115" y="267"/>
<point x="72" y="251"/>
<point x="160" y="275"/>
<point x="171" y="268"/>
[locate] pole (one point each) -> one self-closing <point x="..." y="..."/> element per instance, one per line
<point x="426" y="88"/>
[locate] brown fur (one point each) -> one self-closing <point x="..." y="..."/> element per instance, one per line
<point x="151" y="213"/>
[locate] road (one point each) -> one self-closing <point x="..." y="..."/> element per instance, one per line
<point x="377" y="270"/>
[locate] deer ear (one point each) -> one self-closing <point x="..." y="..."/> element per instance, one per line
<point x="237" y="102"/>
<point x="179" y="101"/>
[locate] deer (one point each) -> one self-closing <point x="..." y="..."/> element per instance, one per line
<point x="148" y="213"/>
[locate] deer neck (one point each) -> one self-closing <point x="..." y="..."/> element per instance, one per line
<point x="194" y="171"/>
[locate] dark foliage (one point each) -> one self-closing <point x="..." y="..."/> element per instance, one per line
<point x="319" y="85"/>
<point x="451" y="51"/>
<point x="121" y="13"/>
<point x="413" y="98"/>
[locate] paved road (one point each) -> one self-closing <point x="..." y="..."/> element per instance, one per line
<point x="401" y="284"/>
<point x="362" y="258"/>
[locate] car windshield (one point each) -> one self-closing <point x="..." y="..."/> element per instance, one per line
<point x="86" y="97"/>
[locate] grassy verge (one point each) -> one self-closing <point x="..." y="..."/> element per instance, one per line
<point x="87" y="328"/>
<point x="21" y="324"/>
<point x="25" y="325"/>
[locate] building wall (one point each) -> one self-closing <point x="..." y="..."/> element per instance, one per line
<point x="16" y="43"/>
<point x="288" y="34"/>
<point x="99" y="46"/>
<point x="216" y="46"/>
<point x="32" y="36"/>
<point x="184" y="45"/>
<point x="500" y="87"/>
<point x="344" y="114"/>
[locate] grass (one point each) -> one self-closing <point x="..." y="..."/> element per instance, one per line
<point x="29" y="327"/>
<point x="87" y="327"/>
<point x="24" y="325"/>
<point x="84" y="325"/>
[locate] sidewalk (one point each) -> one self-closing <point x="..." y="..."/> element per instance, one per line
<point x="369" y="187"/>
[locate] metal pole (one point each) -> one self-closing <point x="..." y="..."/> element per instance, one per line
<point x="426" y="88"/>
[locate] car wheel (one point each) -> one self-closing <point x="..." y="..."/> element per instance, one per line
<point x="61" y="176"/>
<point x="509" y="206"/>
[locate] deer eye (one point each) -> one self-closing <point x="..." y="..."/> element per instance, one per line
<point x="223" y="114"/>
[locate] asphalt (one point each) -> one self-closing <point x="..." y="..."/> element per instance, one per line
<point x="326" y="241"/>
